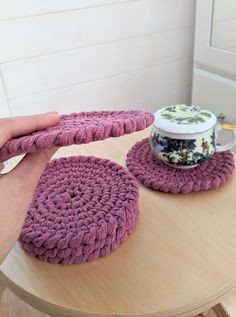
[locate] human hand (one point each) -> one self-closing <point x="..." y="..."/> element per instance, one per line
<point x="17" y="187"/>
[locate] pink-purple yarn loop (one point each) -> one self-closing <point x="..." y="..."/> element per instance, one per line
<point x="79" y="128"/>
<point x="83" y="208"/>
<point x="155" y="174"/>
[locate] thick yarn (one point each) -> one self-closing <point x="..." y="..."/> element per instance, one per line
<point x="78" y="128"/>
<point x="83" y="208"/>
<point x="155" y="174"/>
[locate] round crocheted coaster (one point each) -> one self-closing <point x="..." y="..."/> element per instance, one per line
<point x="155" y="174"/>
<point x="78" y="128"/>
<point x="83" y="208"/>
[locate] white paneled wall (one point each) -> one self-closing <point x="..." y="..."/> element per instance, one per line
<point x="94" y="54"/>
<point x="4" y="107"/>
<point x="11" y="9"/>
<point x="224" y="25"/>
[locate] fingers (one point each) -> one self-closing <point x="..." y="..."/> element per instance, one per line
<point x="16" y="192"/>
<point x="29" y="170"/>
<point x="5" y="158"/>
<point x="16" y="126"/>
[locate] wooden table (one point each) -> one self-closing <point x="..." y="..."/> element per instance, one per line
<point x="180" y="261"/>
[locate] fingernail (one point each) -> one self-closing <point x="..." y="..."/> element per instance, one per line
<point x="51" y="112"/>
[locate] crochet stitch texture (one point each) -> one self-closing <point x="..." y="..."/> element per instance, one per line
<point x="155" y="174"/>
<point x="79" y="128"/>
<point x="83" y="208"/>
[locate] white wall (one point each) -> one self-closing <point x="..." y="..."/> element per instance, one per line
<point x="224" y="25"/>
<point x="79" y="55"/>
<point x="214" y="73"/>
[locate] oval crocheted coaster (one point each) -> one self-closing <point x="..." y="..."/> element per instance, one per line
<point x="83" y="208"/>
<point x="155" y="174"/>
<point x="78" y="128"/>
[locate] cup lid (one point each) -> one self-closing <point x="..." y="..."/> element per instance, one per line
<point x="184" y="119"/>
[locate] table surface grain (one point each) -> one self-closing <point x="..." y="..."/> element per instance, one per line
<point x="180" y="260"/>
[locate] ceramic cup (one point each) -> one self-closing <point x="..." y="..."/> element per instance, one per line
<point x="183" y="136"/>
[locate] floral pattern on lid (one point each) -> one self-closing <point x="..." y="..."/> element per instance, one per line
<point x="184" y="119"/>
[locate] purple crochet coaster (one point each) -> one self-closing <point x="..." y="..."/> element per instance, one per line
<point x="78" y="128"/>
<point x="83" y="208"/>
<point x="155" y="174"/>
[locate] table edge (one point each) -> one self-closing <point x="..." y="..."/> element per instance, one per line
<point x="62" y="311"/>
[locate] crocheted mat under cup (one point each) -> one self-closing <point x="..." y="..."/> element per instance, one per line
<point x="83" y="208"/>
<point x="155" y="174"/>
<point x="78" y="128"/>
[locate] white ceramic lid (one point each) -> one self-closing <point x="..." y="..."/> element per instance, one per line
<point x="184" y="119"/>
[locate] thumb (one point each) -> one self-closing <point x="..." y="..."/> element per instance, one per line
<point x="30" y="168"/>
